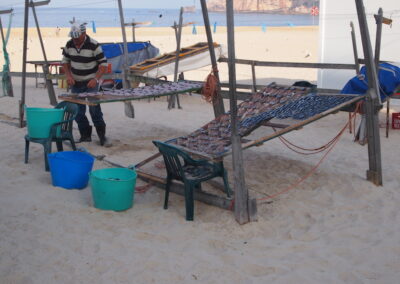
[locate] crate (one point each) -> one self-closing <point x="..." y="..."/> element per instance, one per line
<point x="396" y="120"/>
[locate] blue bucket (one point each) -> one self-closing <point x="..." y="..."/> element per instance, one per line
<point x="70" y="169"/>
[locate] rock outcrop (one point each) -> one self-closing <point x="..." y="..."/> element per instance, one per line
<point x="265" y="6"/>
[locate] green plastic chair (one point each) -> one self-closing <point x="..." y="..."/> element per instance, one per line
<point x="70" y="112"/>
<point x="180" y="166"/>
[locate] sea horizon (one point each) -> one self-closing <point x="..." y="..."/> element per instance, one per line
<point x="109" y="17"/>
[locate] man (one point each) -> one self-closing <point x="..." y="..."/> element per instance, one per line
<point x="84" y="64"/>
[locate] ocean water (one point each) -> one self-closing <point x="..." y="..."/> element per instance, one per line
<point x="102" y="17"/>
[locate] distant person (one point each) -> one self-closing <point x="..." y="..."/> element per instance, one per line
<point x="58" y="31"/>
<point x="84" y="64"/>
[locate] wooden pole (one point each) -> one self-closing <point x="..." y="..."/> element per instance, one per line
<point x="379" y="21"/>
<point x="372" y="103"/>
<point x="10" y="91"/>
<point x="129" y="110"/>
<point x="218" y="105"/>
<point x="253" y="76"/>
<point x="355" y="52"/>
<point x="49" y="82"/>
<point x="178" y="36"/>
<point x="133" y="31"/>
<point x="24" y="54"/>
<point x="125" y="81"/>
<point x="242" y="200"/>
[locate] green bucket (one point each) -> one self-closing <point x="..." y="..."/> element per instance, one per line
<point x="40" y="120"/>
<point x="113" y="188"/>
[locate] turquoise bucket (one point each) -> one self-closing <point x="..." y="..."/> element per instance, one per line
<point x="113" y="188"/>
<point x="40" y="120"/>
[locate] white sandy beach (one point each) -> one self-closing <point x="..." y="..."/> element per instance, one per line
<point x="336" y="227"/>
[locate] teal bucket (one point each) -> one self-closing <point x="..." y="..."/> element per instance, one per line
<point x="40" y="120"/>
<point x="113" y="188"/>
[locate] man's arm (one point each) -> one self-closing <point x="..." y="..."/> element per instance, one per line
<point x="68" y="74"/>
<point x="102" y="61"/>
<point x="93" y="82"/>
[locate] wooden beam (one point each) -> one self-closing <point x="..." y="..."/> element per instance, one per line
<point x="242" y="200"/>
<point x="24" y="56"/>
<point x="292" y="64"/>
<point x="178" y="188"/>
<point x="372" y="103"/>
<point x="218" y="105"/>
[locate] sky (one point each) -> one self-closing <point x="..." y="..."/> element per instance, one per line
<point x="163" y="4"/>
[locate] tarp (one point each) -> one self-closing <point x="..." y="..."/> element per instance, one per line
<point x="389" y="81"/>
<point x="137" y="52"/>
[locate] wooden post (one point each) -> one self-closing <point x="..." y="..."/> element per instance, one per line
<point x="355" y="52"/>
<point x="178" y="36"/>
<point x="373" y="103"/>
<point x="253" y="76"/>
<point x="10" y="91"/>
<point x="129" y="110"/>
<point x="24" y="53"/>
<point x="218" y="105"/>
<point x="49" y="82"/>
<point x="133" y="31"/>
<point x="242" y="200"/>
<point x="379" y="20"/>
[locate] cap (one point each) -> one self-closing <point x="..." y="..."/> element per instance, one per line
<point x="77" y="29"/>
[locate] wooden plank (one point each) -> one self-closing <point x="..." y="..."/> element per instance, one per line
<point x="292" y="64"/>
<point x="178" y="188"/>
<point x="149" y="159"/>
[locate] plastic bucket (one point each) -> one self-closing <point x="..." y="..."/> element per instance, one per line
<point x="40" y="120"/>
<point x="113" y="188"/>
<point x="70" y="169"/>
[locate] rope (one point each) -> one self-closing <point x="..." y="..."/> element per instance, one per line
<point x="210" y="88"/>
<point x="298" y="182"/>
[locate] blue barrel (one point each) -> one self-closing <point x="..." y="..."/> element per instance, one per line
<point x="70" y="169"/>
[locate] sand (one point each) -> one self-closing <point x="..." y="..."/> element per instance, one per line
<point x="335" y="227"/>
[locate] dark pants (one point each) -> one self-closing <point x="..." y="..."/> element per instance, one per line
<point x="95" y="111"/>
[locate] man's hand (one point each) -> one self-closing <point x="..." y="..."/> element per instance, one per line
<point x="70" y="80"/>
<point x="92" y="83"/>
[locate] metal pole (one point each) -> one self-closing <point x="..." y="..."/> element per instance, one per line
<point x="241" y="193"/>
<point x="372" y="103"/>
<point x="218" y="105"/>
<point x="10" y="91"/>
<point x="355" y="52"/>
<point x="178" y="35"/>
<point x="49" y="82"/>
<point x="24" y="53"/>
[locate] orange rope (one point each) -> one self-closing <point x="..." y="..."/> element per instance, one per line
<point x="209" y="90"/>
<point x="336" y="139"/>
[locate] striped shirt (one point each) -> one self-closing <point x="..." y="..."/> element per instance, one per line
<point x="84" y="61"/>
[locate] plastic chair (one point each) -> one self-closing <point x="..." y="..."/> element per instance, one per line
<point x="70" y="112"/>
<point x="180" y="166"/>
